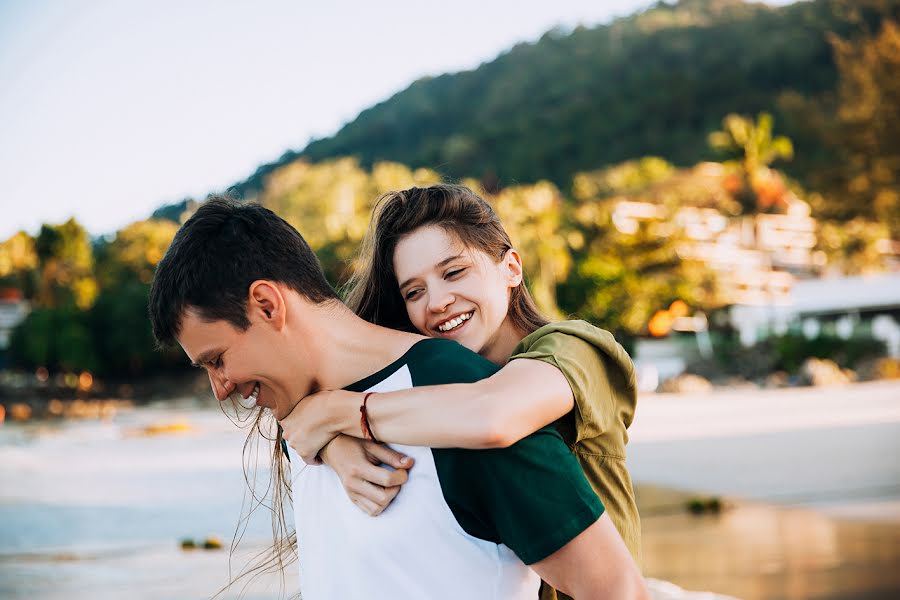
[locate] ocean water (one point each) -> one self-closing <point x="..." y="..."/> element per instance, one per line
<point x="92" y="509"/>
<point x="97" y="509"/>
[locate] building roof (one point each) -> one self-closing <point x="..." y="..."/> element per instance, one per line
<point x="846" y="294"/>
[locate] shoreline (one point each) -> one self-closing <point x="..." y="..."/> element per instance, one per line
<point x="763" y="551"/>
<point x="750" y="549"/>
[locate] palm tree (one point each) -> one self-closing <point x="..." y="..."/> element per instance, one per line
<point x="756" y="146"/>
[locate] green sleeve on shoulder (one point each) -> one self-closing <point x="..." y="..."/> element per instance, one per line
<point x="598" y="383"/>
<point x="436" y="361"/>
<point x="531" y="496"/>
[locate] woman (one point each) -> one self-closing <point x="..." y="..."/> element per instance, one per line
<point x="438" y="261"/>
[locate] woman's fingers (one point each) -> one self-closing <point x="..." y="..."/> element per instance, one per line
<point x="371" y="487"/>
<point x="381" y="454"/>
<point x="367" y="506"/>
<point x="386" y="477"/>
<point x="373" y="499"/>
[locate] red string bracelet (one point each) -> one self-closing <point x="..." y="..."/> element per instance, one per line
<point x="364" y="420"/>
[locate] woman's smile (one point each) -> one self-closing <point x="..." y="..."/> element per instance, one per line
<point x="453" y="324"/>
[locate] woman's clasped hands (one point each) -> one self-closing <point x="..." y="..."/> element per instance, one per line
<point x="371" y="473"/>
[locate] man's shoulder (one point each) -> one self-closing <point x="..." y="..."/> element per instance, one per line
<point x="436" y="361"/>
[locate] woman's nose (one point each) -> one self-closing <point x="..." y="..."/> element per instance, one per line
<point x="439" y="300"/>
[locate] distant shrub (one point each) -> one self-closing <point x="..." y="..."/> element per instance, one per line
<point x="783" y="353"/>
<point x="792" y="350"/>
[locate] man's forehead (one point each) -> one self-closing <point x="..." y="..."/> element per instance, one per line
<point x="199" y="336"/>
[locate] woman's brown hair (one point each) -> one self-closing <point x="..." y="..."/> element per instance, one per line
<point x="373" y="292"/>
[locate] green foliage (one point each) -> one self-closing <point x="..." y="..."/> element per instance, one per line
<point x="18" y="263"/>
<point x="630" y="177"/>
<point x="792" y="349"/>
<point x="532" y="215"/>
<point x="868" y="124"/>
<point x="655" y="83"/>
<point x="732" y="359"/>
<point x="621" y="278"/>
<point x="854" y="247"/>
<point x="121" y="334"/>
<point x="65" y="263"/>
<point x="133" y="253"/>
<point x="57" y="338"/>
<point x="756" y="148"/>
<point x="753" y="142"/>
<point x="331" y="202"/>
<point x="564" y="118"/>
<point x="90" y="302"/>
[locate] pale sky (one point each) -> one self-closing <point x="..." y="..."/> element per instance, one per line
<point x="110" y="109"/>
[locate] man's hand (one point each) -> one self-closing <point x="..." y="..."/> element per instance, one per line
<point x="306" y="427"/>
<point x="358" y="463"/>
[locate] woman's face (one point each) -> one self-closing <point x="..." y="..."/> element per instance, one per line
<point x="455" y="292"/>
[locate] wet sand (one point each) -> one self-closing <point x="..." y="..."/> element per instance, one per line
<point x="763" y="552"/>
<point x="90" y="511"/>
<point x="810" y="478"/>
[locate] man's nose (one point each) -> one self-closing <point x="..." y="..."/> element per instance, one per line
<point x="221" y="387"/>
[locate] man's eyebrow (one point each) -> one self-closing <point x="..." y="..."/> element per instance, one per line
<point x="449" y="259"/>
<point x="205" y="357"/>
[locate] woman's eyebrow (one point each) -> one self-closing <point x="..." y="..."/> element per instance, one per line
<point x="449" y="259"/>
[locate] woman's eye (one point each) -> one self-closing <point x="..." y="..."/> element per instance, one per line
<point x="454" y="273"/>
<point x="411" y="294"/>
<point x="217" y="364"/>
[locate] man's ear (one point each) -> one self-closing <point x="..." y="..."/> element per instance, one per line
<point x="266" y="303"/>
<point x="512" y="267"/>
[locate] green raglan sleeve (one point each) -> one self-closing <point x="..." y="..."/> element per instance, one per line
<point x="598" y="370"/>
<point x="531" y="496"/>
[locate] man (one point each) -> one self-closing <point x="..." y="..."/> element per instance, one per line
<point x="242" y="293"/>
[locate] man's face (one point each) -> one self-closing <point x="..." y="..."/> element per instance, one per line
<point x="239" y="361"/>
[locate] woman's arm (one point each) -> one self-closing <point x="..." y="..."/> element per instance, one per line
<point x="496" y="412"/>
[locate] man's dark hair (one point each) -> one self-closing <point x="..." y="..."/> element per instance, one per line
<point x="215" y="257"/>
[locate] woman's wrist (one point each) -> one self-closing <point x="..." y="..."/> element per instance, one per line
<point x="345" y="412"/>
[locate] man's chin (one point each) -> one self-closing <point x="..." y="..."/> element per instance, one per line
<point x="265" y="403"/>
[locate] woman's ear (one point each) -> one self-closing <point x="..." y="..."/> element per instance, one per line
<point x="511" y="264"/>
<point x="266" y="303"/>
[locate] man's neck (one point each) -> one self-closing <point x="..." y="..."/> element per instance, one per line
<point x="348" y="348"/>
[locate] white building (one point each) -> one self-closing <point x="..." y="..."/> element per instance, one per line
<point x="12" y="312"/>
<point x="843" y="306"/>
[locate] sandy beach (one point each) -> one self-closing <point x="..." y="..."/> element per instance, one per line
<point x="810" y="480"/>
<point x="811" y="483"/>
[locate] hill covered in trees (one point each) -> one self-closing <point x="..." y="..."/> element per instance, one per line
<point x="654" y="83"/>
<point x="559" y="136"/>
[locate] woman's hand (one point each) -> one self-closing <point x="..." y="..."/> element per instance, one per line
<point x="358" y="463"/>
<point x="307" y="428"/>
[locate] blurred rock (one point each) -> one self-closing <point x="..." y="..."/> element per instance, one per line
<point x="824" y="372"/>
<point x="686" y="384"/>
<point x="778" y="379"/>
<point x="700" y="506"/>
<point x="879" y="368"/>
<point x="188" y="544"/>
<point x="212" y="543"/>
